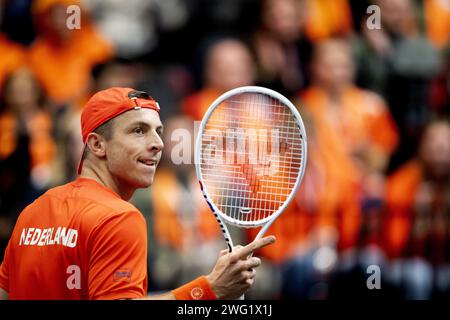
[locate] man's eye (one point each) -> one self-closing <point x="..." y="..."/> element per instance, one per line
<point x="138" y="130"/>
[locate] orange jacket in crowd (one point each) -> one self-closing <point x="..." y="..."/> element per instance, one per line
<point x="437" y="22"/>
<point x="364" y="122"/>
<point x="173" y="228"/>
<point x="315" y="207"/>
<point x="298" y="226"/>
<point x="196" y="104"/>
<point x="64" y="69"/>
<point x="333" y="18"/>
<point x="42" y="144"/>
<point x="296" y="223"/>
<point x="401" y="190"/>
<point x="326" y="19"/>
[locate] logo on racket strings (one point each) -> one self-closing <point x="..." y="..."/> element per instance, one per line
<point x="261" y="149"/>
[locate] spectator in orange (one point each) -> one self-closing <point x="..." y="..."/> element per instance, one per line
<point x="437" y="22"/>
<point x="184" y="227"/>
<point x="13" y="57"/>
<point x="359" y="118"/>
<point x="317" y="220"/>
<point x="26" y="147"/>
<point x="353" y="138"/>
<point x="326" y="19"/>
<point x="314" y="206"/>
<point x="22" y="111"/>
<point x="228" y="65"/>
<point x="417" y="228"/>
<point x="61" y="58"/>
<point x="356" y="119"/>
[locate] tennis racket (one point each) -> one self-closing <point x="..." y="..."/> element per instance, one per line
<point x="250" y="157"/>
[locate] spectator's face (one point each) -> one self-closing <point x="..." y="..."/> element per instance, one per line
<point x="116" y="75"/>
<point x="179" y="141"/>
<point x="435" y="150"/>
<point x="283" y="18"/>
<point x="332" y="67"/>
<point x="395" y="14"/>
<point x="229" y="66"/>
<point x="134" y="150"/>
<point x="22" y="94"/>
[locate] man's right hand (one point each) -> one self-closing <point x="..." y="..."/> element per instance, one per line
<point x="234" y="272"/>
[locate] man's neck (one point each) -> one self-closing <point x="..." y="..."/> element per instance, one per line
<point x="108" y="181"/>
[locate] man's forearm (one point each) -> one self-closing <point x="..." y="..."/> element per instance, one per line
<point x="198" y="289"/>
<point x="164" y="296"/>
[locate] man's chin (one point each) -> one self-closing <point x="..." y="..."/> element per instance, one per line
<point x="145" y="183"/>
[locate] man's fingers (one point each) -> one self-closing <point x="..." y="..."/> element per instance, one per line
<point x="234" y="256"/>
<point x="249" y="274"/>
<point x="244" y="252"/>
<point x="252" y="263"/>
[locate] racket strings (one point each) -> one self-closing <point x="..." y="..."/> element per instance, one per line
<point x="251" y="155"/>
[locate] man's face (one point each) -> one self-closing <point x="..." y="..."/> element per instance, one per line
<point x="435" y="150"/>
<point x="229" y="66"/>
<point x="284" y="18"/>
<point x="134" y="150"/>
<point x="333" y="67"/>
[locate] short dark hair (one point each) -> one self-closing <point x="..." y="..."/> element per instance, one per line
<point x="105" y="130"/>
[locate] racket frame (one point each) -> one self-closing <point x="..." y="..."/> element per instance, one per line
<point x="221" y="217"/>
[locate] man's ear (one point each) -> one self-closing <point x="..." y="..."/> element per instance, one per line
<point x="96" y="144"/>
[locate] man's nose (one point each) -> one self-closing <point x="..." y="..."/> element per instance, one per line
<point x="156" y="143"/>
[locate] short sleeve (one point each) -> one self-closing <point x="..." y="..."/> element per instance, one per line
<point x="118" y="257"/>
<point x="4" y="270"/>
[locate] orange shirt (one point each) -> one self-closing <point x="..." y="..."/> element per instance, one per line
<point x="401" y="189"/>
<point x="42" y="144"/>
<point x="196" y="104"/>
<point x="328" y="18"/>
<point x="64" y="71"/>
<point x="437" y="21"/>
<point x="327" y="198"/>
<point x="361" y="121"/>
<point x="177" y="224"/>
<point x="77" y="241"/>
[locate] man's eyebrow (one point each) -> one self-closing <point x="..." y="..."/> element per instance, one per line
<point x="145" y="124"/>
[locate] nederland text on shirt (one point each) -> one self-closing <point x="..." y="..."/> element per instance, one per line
<point x="45" y="237"/>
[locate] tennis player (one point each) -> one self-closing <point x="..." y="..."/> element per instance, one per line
<point x="84" y="240"/>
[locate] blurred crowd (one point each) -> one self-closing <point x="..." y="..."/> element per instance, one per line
<point x="374" y="96"/>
